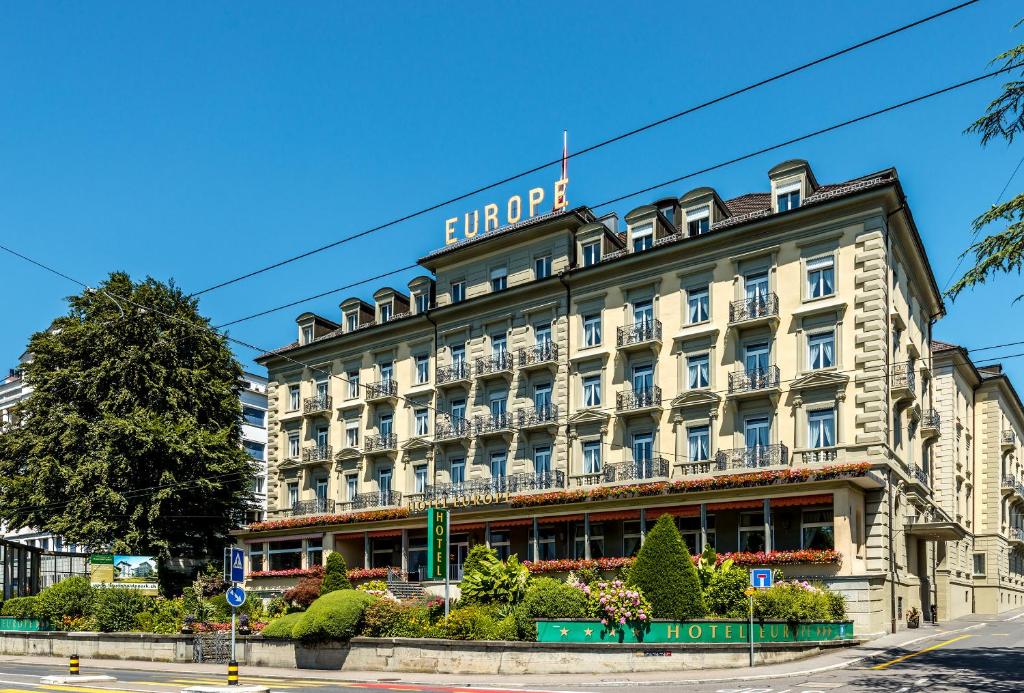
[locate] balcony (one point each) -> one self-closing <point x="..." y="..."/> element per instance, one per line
<point x="499" y="364"/>
<point x="318" y="453"/>
<point x="903" y="381"/>
<point x="919" y="475"/>
<point x="456" y="374"/>
<point x="316" y="506"/>
<point x="544" y="355"/>
<point x="514" y="483"/>
<point x="452" y="429"/>
<point x="494" y="424"/>
<point x="646" y="333"/>
<point x="654" y="468"/>
<point x="931" y="424"/>
<point x="696" y="467"/>
<point x="776" y="455"/>
<point x="819" y="455"/>
<point x="383" y="390"/>
<point x="756" y="310"/>
<point x="1017" y="535"/>
<point x="374" y="443"/>
<point x="534" y="417"/>
<point x="753" y="382"/>
<point x="369" y="501"/>
<point x="318" y="404"/>
<point x="630" y="401"/>
<point x="1008" y="439"/>
<point x="1012" y="484"/>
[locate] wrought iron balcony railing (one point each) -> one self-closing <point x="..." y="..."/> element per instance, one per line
<point x="1008" y="437"/>
<point x="931" y="419"/>
<point x="317" y="403"/>
<point x="903" y="377"/>
<point x="753" y="457"/>
<point x="316" y="506"/>
<point x="364" y="501"/>
<point x="495" y="363"/>
<point x="379" y="443"/>
<point x="454" y="373"/>
<point x="630" y="399"/>
<point x="638" y="333"/>
<point x="537" y="416"/>
<point x="654" y="468"/>
<point x="513" y="483"/>
<point x="543" y="353"/>
<point x="318" y="453"/>
<point x="493" y="423"/>
<point x="1016" y="534"/>
<point x="452" y="429"/>
<point x="382" y="390"/>
<point x="761" y="306"/>
<point x="754" y="379"/>
<point x="919" y="474"/>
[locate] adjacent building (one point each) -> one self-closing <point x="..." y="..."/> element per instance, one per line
<point x="253" y="394"/>
<point x="758" y="367"/>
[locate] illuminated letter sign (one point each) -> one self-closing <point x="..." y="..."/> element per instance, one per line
<point x="437" y="543"/>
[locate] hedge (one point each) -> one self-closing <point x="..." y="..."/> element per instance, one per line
<point x="665" y="574"/>
<point x="334" y="616"/>
<point x="283" y="626"/>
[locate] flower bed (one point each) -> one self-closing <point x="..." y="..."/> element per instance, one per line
<point x="322" y="520"/>
<point x="740" y="558"/>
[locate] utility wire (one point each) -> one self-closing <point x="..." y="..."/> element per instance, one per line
<point x="591" y="148"/>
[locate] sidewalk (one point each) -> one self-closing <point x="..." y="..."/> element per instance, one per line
<point x="831" y="660"/>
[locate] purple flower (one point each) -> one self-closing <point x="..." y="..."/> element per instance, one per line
<point x="622" y="621"/>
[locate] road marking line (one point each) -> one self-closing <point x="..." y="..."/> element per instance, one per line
<point x="886" y="665"/>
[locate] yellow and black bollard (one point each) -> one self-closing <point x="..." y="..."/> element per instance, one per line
<point x="232" y="673"/>
<point x="73" y="665"/>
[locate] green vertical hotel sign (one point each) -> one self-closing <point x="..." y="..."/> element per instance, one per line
<point x="437" y="547"/>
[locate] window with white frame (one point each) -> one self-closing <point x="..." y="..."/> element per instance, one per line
<point x="699" y="443"/>
<point x="499" y="461"/>
<point x="631" y="537"/>
<point x="542" y="460"/>
<point x="458" y="410"/>
<point x="387" y="371"/>
<point x="751" y="532"/>
<point x="542" y="267"/>
<point x="787" y="196"/>
<point x="592" y="391"/>
<point x="422" y="369"/>
<point x="458" y="356"/>
<point x="499" y="344"/>
<point x="314" y="552"/>
<point x="458" y="470"/>
<point x="817" y="529"/>
<point x="307" y="334"/>
<point x="592" y="457"/>
<point x="386" y="311"/>
<point x="596" y="540"/>
<point x="689" y="528"/>
<point x="591" y="253"/>
<point x="542" y="334"/>
<point x="285" y="554"/>
<point x="422" y="302"/>
<point x="420" y="478"/>
<point x="499" y="279"/>
<point x="821" y="276"/>
<point x="458" y="292"/>
<point x="422" y="422"/>
<point x="351" y="321"/>
<point x="643" y="237"/>
<point x="979" y="564"/>
<point x="293" y="445"/>
<point x="698" y="306"/>
<point x="821" y="350"/>
<point x="293" y="398"/>
<point x="592" y="329"/>
<point x="255" y="558"/>
<point x="293" y="494"/>
<point x="322" y="387"/>
<point x="352" y="434"/>
<point x="698" y="220"/>
<point x="698" y="371"/>
<point x="545" y="540"/>
<point x="821" y="428"/>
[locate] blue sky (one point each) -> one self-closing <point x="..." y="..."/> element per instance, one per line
<point x="195" y="141"/>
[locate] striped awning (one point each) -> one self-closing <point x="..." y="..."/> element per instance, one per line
<point x="820" y="499"/>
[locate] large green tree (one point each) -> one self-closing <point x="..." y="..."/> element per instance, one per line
<point x="1002" y="250"/>
<point x="130" y="439"/>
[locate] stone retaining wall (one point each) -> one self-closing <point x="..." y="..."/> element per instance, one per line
<point x="415" y="655"/>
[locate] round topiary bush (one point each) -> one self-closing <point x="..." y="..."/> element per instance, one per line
<point x="335" y="574"/>
<point x="549" y="598"/>
<point x="283" y="626"/>
<point x="665" y="574"/>
<point x="21" y="607"/>
<point x="71" y="597"/>
<point x="334" y="616"/>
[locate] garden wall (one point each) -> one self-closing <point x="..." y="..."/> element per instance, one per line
<point x="419" y="655"/>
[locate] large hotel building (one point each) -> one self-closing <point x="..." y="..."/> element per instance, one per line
<point x="762" y="368"/>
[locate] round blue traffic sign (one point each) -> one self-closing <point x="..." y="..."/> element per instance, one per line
<point x="235" y="596"/>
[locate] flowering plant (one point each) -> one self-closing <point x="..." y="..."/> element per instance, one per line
<point x="813" y="556"/>
<point x="314" y="571"/>
<point x="364" y="573"/>
<point x="342" y="519"/>
<point x="617" y="605"/>
<point x="564" y="565"/>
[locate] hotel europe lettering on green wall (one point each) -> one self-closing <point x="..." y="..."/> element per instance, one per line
<point x="692" y="632"/>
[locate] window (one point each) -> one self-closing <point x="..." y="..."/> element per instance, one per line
<point x="755" y="359"/>
<point x="422" y="369"/>
<point x="751" y="532"/>
<point x="697" y="370"/>
<point x="254" y="449"/>
<point x="979" y="564"/>
<point x="254" y="416"/>
<point x="420" y="478"/>
<point x="321" y="388"/>
<point x="542" y="267"/>
<point x="314" y="552"/>
<point x="542" y="334"/>
<point x="542" y="460"/>
<point x="592" y="391"/>
<point x="458" y="472"/>
<point x="259" y="485"/>
<point x="352" y="434"/>
<point x="307" y="334"/>
<point x="596" y="540"/>
<point x="756" y="290"/>
<point x="498" y="462"/>
<point x="500" y="544"/>
<point x="285" y="555"/>
<point x="293" y="445"/>
<point x="755" y="432"/>
<point x="591" y="253"/>
<point x="293" y="398"/>
<point x="788" y="196"/>
<point x="351" y="321"/>
<point x="422" y="302"/>
<point x="643" y="312"/>
<point x="821" y="428"/>
<point x="321" y="491"/>
<point x="498" y="404"/>
<point x="630" y="538"/>
<point x="384" y="483"/>
<point x="821" y="277"/>
<point x="542" y="399"/>
<point x="592" y="457"/>
<point x="545" y="541"/>
<point x="384" y="425"/>
<point x="321" y="436"/>
<point x="592" y="330"/>
<point x="422" y="425"/>
<point x="458" y="356"/>
<point x="385" y="312"/>
<point x="643" y="450"/>
<point x="458" y="292"/>
<point x="643" y="378"/>
<point x="458" y="410"/>
<point x="699" y="439"/>
<point x="351" y="487"/>
<point x="387" y="370"/>
<point x="353" y="384"/>
<point x="689" y="528"/>
<point x="816" y="529"/>
<point x="255" y="558"/>
<point x="499" y="279"/>
<point x="499" y="345"/>
<point x="293" y="494"/>
<point x="643" y="238"/>
<point x="821" y="349"/>
<point x="698" y="307"/>
<point x="698" y="220"/>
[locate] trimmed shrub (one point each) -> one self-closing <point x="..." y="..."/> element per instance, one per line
<point x="724" y="594"/>
<point x="162" y="616"/>
<point x="334" y="616"/>
<point x="836" y="605"/>
<point x="117" y="610"/>
<point x="336" y="574"/>
<point x="796" y="601"/>
<point x="305" y="592"/>
<point x="71" y="597"/>
<point x="386" y="618"/>
<point x="21" y="607"/>
<point x="474" y="622"/>
<point x="283" y="626"/>
<point x="548" y="598"/>
<point x="665" y="574"/>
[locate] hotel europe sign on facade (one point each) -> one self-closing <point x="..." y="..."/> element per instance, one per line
<point x="515" y="209"/>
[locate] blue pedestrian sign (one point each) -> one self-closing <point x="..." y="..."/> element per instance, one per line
<point x="235" y="596"/>
<point x="237" y="562"/>
<point x="761" y="578"/>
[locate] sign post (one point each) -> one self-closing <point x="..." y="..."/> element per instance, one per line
<point x="760" y="579"/>
<point x="234" y="573"/>
<point x="437" y="549"/>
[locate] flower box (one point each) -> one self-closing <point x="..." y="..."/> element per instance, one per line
<point x="703" y="631"/>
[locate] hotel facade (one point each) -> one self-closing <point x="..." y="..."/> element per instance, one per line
<point x="760" y="368"/>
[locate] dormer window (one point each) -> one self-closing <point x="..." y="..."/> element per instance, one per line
<point x="787" y="196"/>
<point x="458" y="292"/>
<point x="643" y="237"/>
<point x="385" y="312"/>
<point x="669" y="212"/>
<point x="351" y="321"/>
<point x="307" y="334"/>
<point x="499" y="279"/>
<point x="698" y="220"/>
<point x="422" y="303"/>
<point x="591" y="253"/>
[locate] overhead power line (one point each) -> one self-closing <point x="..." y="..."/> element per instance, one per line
<point x="586" y="150"/>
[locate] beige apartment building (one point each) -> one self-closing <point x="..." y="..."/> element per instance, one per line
<point x="758" y="367"/>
